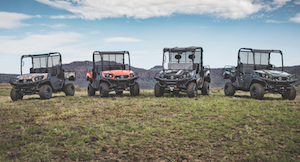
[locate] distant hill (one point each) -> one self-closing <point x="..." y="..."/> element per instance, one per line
<point x="146" y="80"/>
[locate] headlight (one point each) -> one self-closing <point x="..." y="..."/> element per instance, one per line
<point x="38" y="78"/>
<point x="16" y="80"/>
<point x="131" y="75"/>
<point x="172" y="77"/>
<point x="108" y="75"/>
<point x="161" y="75"/>
<point x="264" y="75"/>
<point x="184" y="76"/>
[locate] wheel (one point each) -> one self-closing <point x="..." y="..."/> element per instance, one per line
<point x="104" y="89"/>
<point x="14" y="95"/>
<point x="158" y="91"/>
<point x="192" y="90"/>
<point x="69" y="90"/>
<point x="292" y="93"/>
<point x="135" y="89"/>
<point x="90" y="90"/>
<point x="119" y="92"/>
<point x="229" y="90"/>
<point x="257" y="91"/>
<point x="205" y="88"/>
<point x="45" y="92"/>
<point x="20" y="96"/>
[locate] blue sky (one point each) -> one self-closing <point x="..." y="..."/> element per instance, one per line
<point x="76" y="28"/>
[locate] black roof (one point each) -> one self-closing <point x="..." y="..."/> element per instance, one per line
<point x="262" y="51"/>
<point x="40" y="55"/>
<point x="111" y="52"/>
<point x="182" y="49"/>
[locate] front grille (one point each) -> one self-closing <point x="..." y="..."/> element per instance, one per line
<point x="121" y="77"/>
<point x="173" y="77"/>
<point x="280" y="78"/>
<point x="25" y="81"/>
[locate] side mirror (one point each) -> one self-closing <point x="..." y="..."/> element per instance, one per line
<point x="191" y="56"/>
<point x="178" y="57"/>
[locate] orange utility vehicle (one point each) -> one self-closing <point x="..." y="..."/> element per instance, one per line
<point x="111" y="73"/>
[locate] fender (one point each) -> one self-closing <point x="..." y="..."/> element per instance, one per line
<point x="257" y="80"/>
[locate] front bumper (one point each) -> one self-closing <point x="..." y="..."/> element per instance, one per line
<point x="173" y="84"/>
<point x="120" y="84"/>
<point x="26" y="88"/>
<point x="278" y="85"/>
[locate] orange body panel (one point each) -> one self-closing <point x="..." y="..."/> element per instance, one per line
<point x="89" y="75"/>
<point x="117" y="73"/>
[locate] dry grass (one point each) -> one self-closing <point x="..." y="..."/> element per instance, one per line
<point x="146" y="128"/>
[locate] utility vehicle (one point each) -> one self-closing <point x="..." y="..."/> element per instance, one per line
<point x="111" y="73"/>
<point x="255" y="73"/>
<point x="183" y="71"/>
<point x="46" y="76"/>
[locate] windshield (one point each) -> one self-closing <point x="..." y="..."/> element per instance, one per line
<point x="258" y="59"/>
<point x="39" y="63"/>
<point x="111" y="61"/>
<point x="181" y="60"/>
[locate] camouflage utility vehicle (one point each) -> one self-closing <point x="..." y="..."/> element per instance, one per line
<point x="183" y="71"/>
<point x="256" y="74"/>
<point x="111" y="73"/>
<point x="46" y="76"/>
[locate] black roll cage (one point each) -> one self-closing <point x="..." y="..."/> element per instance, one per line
<point x="183" y="49"/>
<point x="260" y="51"/>
<point x="101" y="53"/>
<point x="40" y="55"/>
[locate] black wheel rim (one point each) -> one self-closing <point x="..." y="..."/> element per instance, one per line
<point x="254" y="91"/>
<point x="226" y="89"/>
<point x="72" y="90"/>
<point x="195" y="90"/>
<point x="101" y="90"/>
<point x="48" y="92"/>
<point x="207" y="90"/>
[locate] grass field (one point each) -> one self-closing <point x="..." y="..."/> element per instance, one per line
<point x="146" y="128"/>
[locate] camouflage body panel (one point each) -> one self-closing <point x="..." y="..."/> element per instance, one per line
<point x="70" y="75"/>
<point x="31" y="77"/>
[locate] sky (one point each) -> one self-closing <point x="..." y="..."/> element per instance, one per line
<point x="76" y="28"/>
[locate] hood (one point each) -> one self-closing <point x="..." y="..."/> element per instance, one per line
<point x="118" y="72"/>
<point x="173" y="74"/>
<point x="274" y="73"/>
<point x="30" y="77"/>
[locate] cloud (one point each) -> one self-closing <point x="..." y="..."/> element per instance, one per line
<point x="64" y="17"/>
<point x="274" y="21"/>
<point x="10" y="20"/>
<point x="55" y="26"/>
<point x="99" y="9"/>
<point x="297" y="2"/>
<point x="34" y="43"/>
<point x="121" y="39"/>
<point x="296" y="19"/>
<point x="275" y="4"/>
